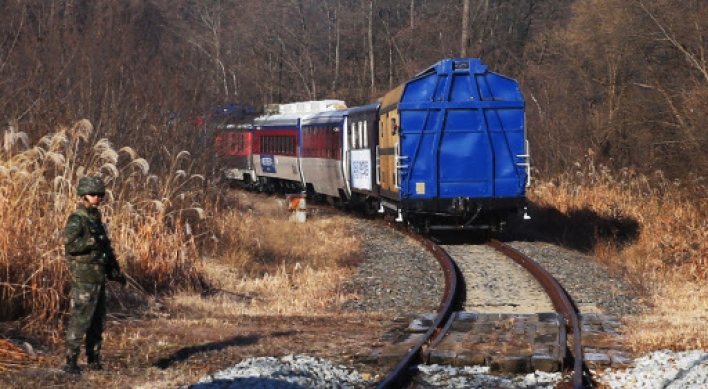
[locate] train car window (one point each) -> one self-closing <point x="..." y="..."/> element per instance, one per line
<point x="366" y="135"/>
<point x="217" y="144"/>
<point x="327" y="142"/>
<point x="315" y="143"/>
<point x="357" y="137"/>
<point x="334" y="142"/>
<point x="352" y="135"/>
<point x="333" y="134"/>
<point x="324" y="144"/>
<point x="310" y="144"/>
<point x="361" y="135"/>
<point x="394" y="127"/>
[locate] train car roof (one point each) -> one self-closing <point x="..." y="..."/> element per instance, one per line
<point x="364" y="108"/>
<point x="277" y="120"/>
<point x="325" y="117"/>
<point x="230" y="126"/>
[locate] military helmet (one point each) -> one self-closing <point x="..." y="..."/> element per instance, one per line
<point x="91" y="185"/>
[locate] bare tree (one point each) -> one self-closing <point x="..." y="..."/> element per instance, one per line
<point x="370" y="41"/>
<point x="464" y="40"/>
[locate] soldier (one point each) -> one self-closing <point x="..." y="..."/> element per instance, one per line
<point x="92" y="262"/>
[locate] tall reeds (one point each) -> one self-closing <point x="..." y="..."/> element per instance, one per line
<point x="144" y="213"/>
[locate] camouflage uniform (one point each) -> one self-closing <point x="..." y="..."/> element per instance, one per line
<point x="92" y="262"/>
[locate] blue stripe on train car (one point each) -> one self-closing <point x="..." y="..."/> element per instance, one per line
<point x="462" y="133"/>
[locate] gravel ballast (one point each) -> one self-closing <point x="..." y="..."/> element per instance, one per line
<point x="660" y="369"/>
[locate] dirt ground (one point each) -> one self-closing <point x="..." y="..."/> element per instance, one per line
<point x="167" y="346"/>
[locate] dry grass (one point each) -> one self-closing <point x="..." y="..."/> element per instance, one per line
<point x="38" y="192"/>
<point x="678" y="320"/>
<point x="268" y="265"/>
<point x="256" y="237"/>
<point x="651" y="230"/>
<point x="286" y="292"/>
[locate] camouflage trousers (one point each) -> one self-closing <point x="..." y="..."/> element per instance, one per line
<point x="88" y="318"/>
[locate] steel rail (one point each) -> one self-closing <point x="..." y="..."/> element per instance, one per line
<point x="396" y="378"/>
<point x="560" y="300"/>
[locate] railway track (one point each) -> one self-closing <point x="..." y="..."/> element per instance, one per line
<point x="478" y="279"/>
<point x="495" y="282"/>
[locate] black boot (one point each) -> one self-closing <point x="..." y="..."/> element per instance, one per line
<point x="71" y="367"/>
<point x="94" y="361"/>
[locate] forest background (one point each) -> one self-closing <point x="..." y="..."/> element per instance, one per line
<point x="625" y="79"/>
<point x="616" y="95"/>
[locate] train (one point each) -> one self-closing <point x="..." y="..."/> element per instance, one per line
<point x="446" y="150"/>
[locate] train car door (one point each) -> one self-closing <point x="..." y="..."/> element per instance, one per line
<point x="361" y="168"/>
<point x="389" y="152"/>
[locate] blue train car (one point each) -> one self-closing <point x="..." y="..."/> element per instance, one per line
<point x="453" y="147"/>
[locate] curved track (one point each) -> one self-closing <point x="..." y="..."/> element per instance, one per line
<point x="452" y="301"/>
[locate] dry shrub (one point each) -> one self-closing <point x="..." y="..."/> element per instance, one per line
<point x="666" y="258"/>
<point x="38" y="192"/>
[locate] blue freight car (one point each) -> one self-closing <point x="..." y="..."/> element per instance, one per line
<point x="453" y="148"/>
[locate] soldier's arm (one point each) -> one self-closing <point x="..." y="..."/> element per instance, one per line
<point x="74" y="240"/>
<point x="111" y="261"/>
<point x="113" y="272"/>
<point x="112" y="267"/>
